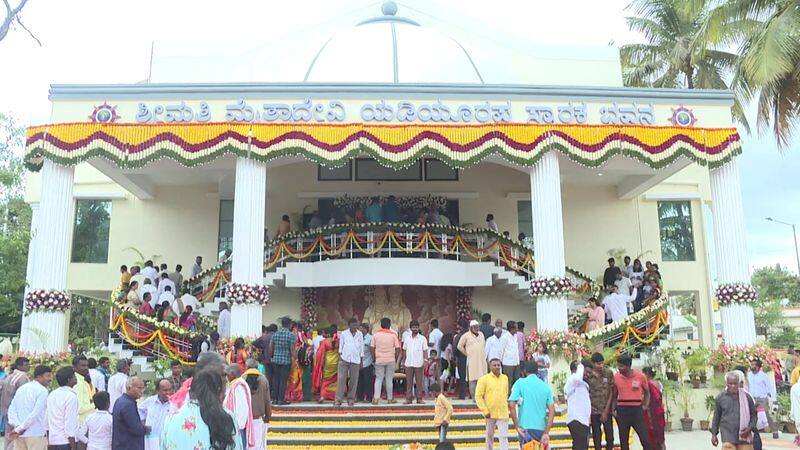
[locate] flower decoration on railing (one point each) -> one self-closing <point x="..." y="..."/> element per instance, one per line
<point x="211" y="271"/>
<point x="728" y="294"/>
<point x="551" y="287"/>
<point x="728" y="357"/>
<point x="464" y="303"/>
<point x="559" y="343"/>
<point x="47" y="300"/>
<point x="405" y="203"/>
<point x="134" y="316"/>
<point x="308" y="308"/>
<point x="246" y="294"/>
<point x="619" y="326"/>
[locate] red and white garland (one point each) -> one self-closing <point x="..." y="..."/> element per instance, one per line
<point x="728" y="294"/>
<point x="464" y="303"/>
<point x="308" y="308"/>
<point x="246" y="294"/>
<point x="47" y="300"/>
<point x="551" y="287"/>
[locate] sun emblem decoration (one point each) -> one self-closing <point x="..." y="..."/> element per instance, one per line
<point x="104" y="113"/>
<point x="682" y="117"/>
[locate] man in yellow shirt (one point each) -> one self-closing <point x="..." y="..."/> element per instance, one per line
<point x="491" y="395"/>
<point x="795" y="375"/>
<point x="83" y="388"/>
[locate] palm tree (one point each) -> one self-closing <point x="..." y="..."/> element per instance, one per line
<point x="769" y="68"/>
<point x="683" y="49"/>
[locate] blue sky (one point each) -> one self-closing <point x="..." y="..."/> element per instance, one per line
<point x="96" y="41"/>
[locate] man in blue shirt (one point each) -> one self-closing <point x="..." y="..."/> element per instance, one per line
<point x="536" y="411"/>
<point x="128" y="430"/>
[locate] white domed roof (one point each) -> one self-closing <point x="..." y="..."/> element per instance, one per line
<point x="391" y="49"/>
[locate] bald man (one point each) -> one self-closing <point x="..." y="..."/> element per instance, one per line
<point x="128" y="431"/>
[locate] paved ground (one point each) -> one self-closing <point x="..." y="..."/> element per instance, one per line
<point x="701" y="440"/>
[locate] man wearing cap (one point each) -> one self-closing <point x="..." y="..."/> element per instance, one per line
<point x="473" y="344"/>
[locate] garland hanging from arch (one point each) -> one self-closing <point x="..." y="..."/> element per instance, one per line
<point x="464" y="303"/>
<point x="308" y="308"/>
<point x="396" y="146"/>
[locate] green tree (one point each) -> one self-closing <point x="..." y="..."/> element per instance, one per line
<point x="684" y="46"/>
<point x="15" y="224"/>
<point x="769" y="67"/>
<point x="776" y="286"/>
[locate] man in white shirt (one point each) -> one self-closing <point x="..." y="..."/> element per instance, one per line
<point x="509" y="353"/>
<point x="321" y="335"/>
<point x="224" y="321"/>
<point x="623" y="283"/>
<point x="62" y="411"/>
<point x="351" y="350"/>
<point x="579" y="407"/>
<point x="165" y="281"/>
<point x="150" y="272"/>
<point x="762" y="389"/>
<point x="147" y="286"/>
<point x="794" y="394"/>
<point x="97" y="431"/>
<point x="434" y="337"/>
<point x="97" y="377"/>
<point x="237" y="401"/>
<point x="116" y="384"/>
<point x="27" y="415"/>
<point x="616" y="304"/>
<point x="414" y="351"/>
<point x="493" y="346"/>
<point x="167" y="296"/>
<point x="154" y="411"/>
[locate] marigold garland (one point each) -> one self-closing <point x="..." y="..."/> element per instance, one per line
<point x="464" y="303"/>
<point x="396" y="146"/>
<point x="47" y="300"/>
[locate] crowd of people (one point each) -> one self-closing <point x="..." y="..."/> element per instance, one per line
<point x="387" y="210"/>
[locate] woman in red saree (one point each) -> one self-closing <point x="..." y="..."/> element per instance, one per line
<point x="294" y="385"/>
<point x="654" y="416"/>
<point x="238" y="354"/>
<point x="326" y="364"/>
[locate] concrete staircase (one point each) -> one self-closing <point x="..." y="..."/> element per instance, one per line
<point x="140" y="364"/>
<point x="311" y="426"/>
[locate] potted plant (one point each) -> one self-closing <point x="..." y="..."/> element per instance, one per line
<point x="685" y="403"/>
<point x="711" y="403"/>
<point x="784" y="407"/>
<point x="670" y="356"/>
<point x="696" y="364"/>
<point x="559" y="381"/>
<point x="668" y="396"/>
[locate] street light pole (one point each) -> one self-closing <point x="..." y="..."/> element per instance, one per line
<point x="794" y="234"/>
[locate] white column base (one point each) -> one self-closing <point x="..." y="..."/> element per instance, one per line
<point x="246" y="320"/>
<point x="552" y="314"/>
<point x="738" y="325"/>
<point x="46" y="332"/>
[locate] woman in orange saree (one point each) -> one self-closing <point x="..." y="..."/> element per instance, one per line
<point x="326" y="364"/>
<point x="294" y="386"/>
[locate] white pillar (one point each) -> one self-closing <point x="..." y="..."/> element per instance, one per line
<point x="47" y="331"/>
<point x="25" y="337"/>
<point x="249" y="209"/>
<point x="738" y="320"/>
<point x="548" y="239"/>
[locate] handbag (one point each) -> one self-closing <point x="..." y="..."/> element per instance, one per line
<point x="761" y="422"/>
<point x="533" y="445"/>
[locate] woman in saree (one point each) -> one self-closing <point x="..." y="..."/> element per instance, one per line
<point x="326" y="364"/>
<point x="238" y="354"/>
<point x="294" y="386"/>
<point x="654" y="416"/>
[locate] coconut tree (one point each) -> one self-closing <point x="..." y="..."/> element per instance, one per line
<point x="685" y="46"/>
<point x="769" y="67"/>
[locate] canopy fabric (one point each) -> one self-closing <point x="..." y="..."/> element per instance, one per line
<point x="135" y="145"/>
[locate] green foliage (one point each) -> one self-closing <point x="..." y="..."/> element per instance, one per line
<point x="92" y="227"/>
<point x="697" y="362"/>
<point x="683" y="49"/>
<point x="559" y="381"/>
<point x="784" y="403"/>
<point x="776" y="286"/>
<point x="711" y="403"/>
<point x="15" y="222"/>
<point x="671" y="358"/>
<point x="88" y="321"/>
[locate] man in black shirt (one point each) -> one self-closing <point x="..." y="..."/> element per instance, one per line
<point x="610" y="275"/>
<point x="486" y="325"/>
